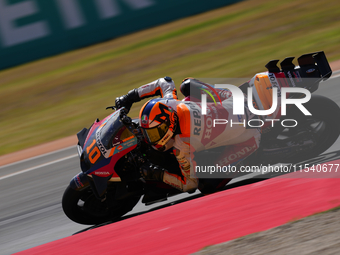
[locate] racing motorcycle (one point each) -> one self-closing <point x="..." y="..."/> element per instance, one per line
<point x="112" y="150"/>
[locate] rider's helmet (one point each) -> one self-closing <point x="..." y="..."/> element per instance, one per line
<point x="158" y="122"/>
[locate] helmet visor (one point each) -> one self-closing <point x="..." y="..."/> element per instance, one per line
<point x="155" y="134"/>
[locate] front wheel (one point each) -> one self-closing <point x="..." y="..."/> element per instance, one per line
<point x="83" y="207"/>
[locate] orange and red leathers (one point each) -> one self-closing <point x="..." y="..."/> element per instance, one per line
<point x="196" y="133"/>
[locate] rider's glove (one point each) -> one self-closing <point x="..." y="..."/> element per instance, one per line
<point x="152" y="172"/>
<point x="127" y="100"/>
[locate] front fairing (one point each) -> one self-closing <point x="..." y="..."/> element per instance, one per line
<point x="107" y="141"/>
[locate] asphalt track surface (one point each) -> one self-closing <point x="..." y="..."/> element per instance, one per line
<point x="31" y="192"/>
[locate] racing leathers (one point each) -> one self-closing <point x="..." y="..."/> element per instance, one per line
<point x="196" y="132"/>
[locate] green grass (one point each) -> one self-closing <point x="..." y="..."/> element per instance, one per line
<point x="55" y="97"/>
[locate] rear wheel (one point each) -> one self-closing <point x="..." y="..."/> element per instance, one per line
<point x="84" y="208"/>
<point x="311" y="136"/>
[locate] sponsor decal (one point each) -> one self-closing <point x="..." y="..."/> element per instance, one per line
<point x="210" y="130"/>
<point x="120" y="147"/>
<point x="78" y="182"/>
<point x="100" y="144"/>
<point x="291" y="79"/>
<point x="101" y="173"/>
<point x="208" y="124"/>
<point x="225" y="94"/>
<point x="310" y="70"/>
<point x="164" y="139"/>
<point x="197" y="119"/>
<point x="274" y="83"/>
<point x="130" y="142"/>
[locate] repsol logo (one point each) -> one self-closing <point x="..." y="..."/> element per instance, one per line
<point x="274" y="83"/>
<point x="100" y="144"/>
<point x="197" y="120"/>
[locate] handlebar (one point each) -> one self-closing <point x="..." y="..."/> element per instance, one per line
<point x="124" y="118"/>
<point x="127" y="121"/>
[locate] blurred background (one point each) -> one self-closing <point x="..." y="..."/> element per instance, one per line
<point x="63" y="61"/>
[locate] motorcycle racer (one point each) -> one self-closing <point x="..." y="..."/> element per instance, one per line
<point x="168" y="123"/>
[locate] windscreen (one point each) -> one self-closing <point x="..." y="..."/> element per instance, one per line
<point x="113" y="131"/>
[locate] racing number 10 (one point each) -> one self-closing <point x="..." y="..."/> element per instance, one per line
<point x="94" y="155"/>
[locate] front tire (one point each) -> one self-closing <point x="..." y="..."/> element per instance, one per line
<point x="83" y="207"/>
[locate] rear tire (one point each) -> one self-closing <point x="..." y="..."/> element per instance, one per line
<point x="323" y="127"/>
